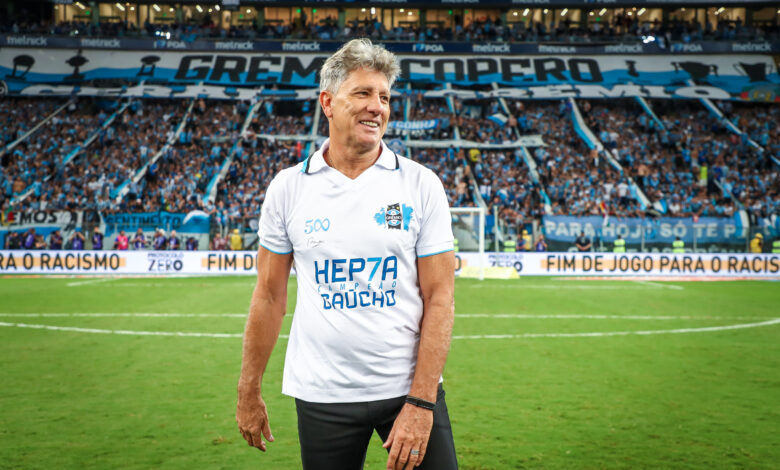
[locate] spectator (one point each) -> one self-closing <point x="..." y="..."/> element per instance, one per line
<point x="121" y="242"/>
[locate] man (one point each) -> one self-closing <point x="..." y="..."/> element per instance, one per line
<point x="541" y="245"/>
<point x="619" y="245"/>
<point x="527" y="241"/>
<point x="55" y="240"/>
<point x="121" y="242"/>
<point x="77" y="240"/>
<point x="583" y="243"/>
<point x="97" y="239"/>
<point x="173" y="241"/>
<point x="757" y="243"/>
<point x="160" y="242"/>
<point x="139" y="241"/>
<point x="29" y="240"/>
<point x="371" y="357"/>
<point x="192" y="244"/>
<point x="235" y="240"/>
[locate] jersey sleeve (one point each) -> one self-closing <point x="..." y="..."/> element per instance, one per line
<point x="272" y="229"/>
<point x="436" y="223"/>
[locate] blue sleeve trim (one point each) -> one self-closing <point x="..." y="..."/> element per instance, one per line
<point x="432" y="254"/>
<point x="276" y="252"/>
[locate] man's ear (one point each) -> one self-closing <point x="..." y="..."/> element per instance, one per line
<point x="326" y="101"/>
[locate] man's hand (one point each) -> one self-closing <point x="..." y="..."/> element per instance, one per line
<point x="411" y="431"/>
<point x="252" y="419"/>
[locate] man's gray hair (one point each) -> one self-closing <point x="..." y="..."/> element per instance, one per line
<point x="357" y="54"/>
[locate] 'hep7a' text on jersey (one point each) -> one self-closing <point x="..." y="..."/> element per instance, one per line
<point x="355" y="245"/>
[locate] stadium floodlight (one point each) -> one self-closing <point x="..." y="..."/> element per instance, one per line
<point x="216" y="7"/>
<point x="121" y="8"/>
<point x="514" y="13"/>
<point x="401" y="10"/>
<point x="545" y="11"/>
<point x="720" y="10"/>
<point x="525" y="12"/>
<point x="565" y="10"/>
<point x="200" y="10"/>
<point x="373" y="11"/>
<point x="603" y="10"/>
<point x="78" y="4"/>
<point x="641" y="11"/>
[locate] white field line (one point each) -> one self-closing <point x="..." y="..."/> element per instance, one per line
<point x="592" y="286"/>
<point x="520" y="336"/>
<point x="90" y="281"/>
<point x="518" y="316"/>
<point x="624" y="333"/>
<point x="659" y="285"/>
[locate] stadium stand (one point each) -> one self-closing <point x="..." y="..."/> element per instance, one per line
<point x="675" y="158"/>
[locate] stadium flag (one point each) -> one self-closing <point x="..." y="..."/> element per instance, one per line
<point x="499" y="119"/>
<point x="603" y="208"/>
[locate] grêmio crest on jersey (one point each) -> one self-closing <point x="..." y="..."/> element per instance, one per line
<point x="394" y="216"/>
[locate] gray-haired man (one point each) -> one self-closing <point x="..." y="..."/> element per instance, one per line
<point x="370" y="235"/>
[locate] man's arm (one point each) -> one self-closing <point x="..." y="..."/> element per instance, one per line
<point x="269" y="304"/>
<point x="412" y="428"/>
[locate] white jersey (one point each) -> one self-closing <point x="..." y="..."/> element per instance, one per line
<point x="355" y="245"/>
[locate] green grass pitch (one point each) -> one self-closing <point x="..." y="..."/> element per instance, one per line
<point x="525" y="386"/>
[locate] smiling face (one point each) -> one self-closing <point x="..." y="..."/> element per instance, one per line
<point x="359" y="111"/>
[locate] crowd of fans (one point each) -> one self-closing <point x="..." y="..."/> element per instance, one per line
<point x="577" y="179"/>
<point x="621" y="27"/>
<point x="242" y="192"/>
<point x="687" y="162"/>
<point x="747" y="171"/>
<point x="93" y="178"/>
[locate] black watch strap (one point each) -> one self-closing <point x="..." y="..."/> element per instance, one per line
<point x="428" y="405"/>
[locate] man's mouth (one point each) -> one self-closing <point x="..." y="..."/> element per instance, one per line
<point x="370" y="123"/>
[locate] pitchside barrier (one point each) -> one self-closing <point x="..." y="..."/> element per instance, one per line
<point x="501" y="265"/>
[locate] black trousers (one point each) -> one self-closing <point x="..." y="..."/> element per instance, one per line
<point x="335" y="436"/>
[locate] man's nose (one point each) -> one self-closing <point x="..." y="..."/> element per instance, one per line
<point x="375" y="104"/>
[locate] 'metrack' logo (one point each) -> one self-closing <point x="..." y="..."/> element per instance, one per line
<point x="395" y="216"/>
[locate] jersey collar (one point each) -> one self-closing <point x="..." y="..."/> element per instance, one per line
<point x="316" y="162"/>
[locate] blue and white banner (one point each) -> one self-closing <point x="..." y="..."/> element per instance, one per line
<point x="43" y="222"/>
<point x="195" y="222"/>
<point x="705" y="230"/>
<point x="749" y="77"/>
<point x="413" y="125"/>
